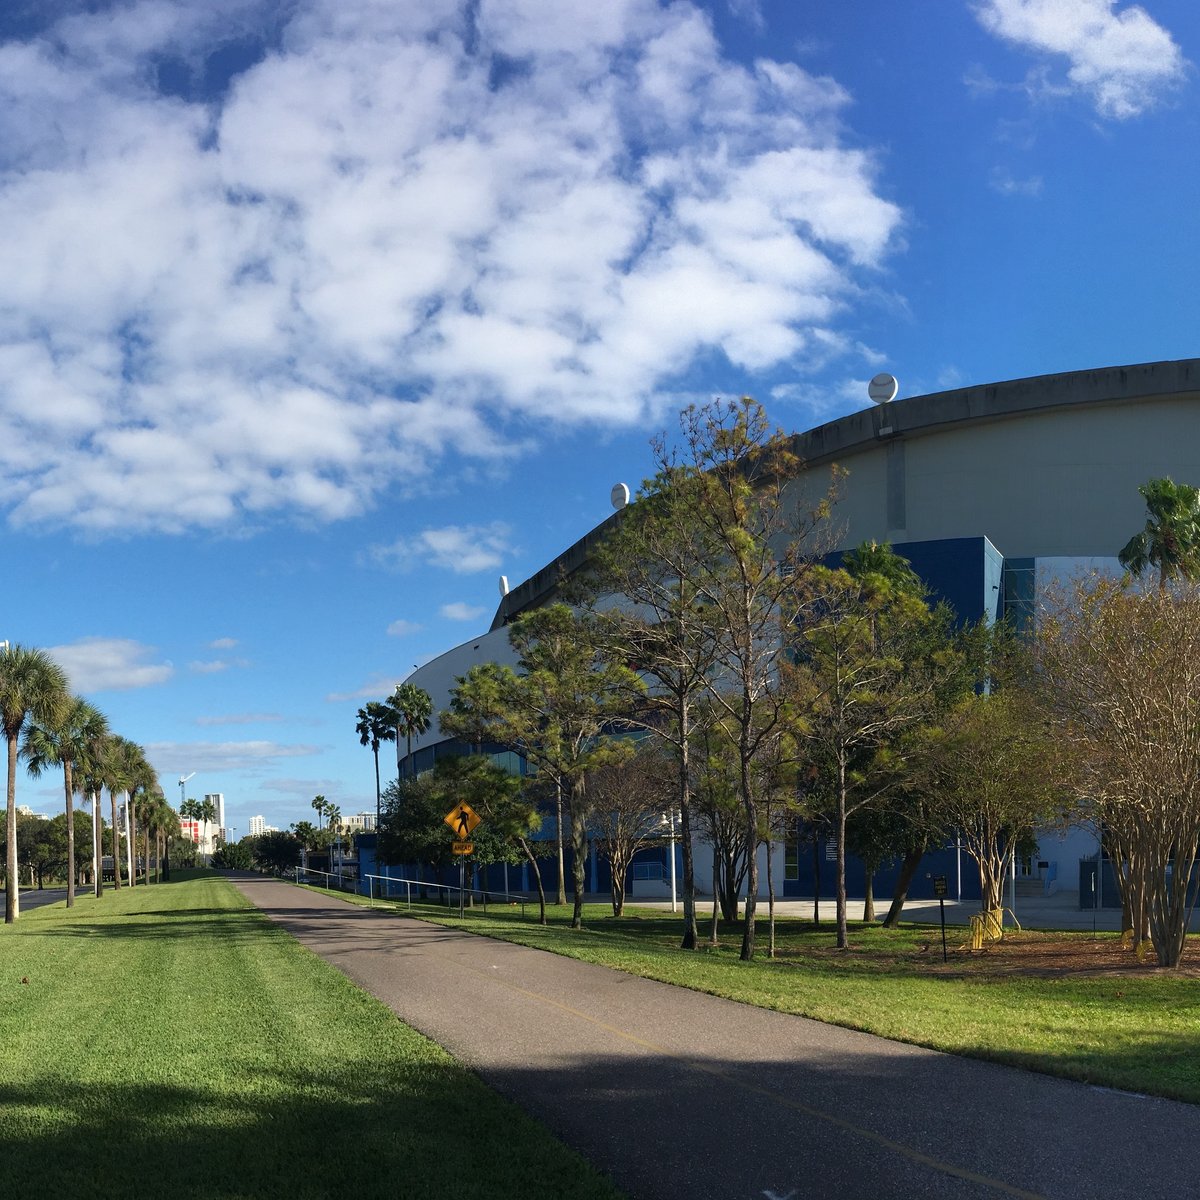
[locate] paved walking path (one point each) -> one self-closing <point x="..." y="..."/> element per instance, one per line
<point x="679" y="1095"/>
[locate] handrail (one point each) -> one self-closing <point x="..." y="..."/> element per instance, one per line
<point x="423" y="884"/>
<point x="447" y="889"/>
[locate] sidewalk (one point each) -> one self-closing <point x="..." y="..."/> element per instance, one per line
<point x="683" y="1096"/>
<point x="1060" y="911"/>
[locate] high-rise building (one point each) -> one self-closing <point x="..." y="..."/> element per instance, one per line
<point x="218" y="799"/>
<point x="257" y="825"/>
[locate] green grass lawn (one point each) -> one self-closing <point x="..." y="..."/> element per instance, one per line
<point x="1138" y="1031"/>
<point x="169" y="1040"/>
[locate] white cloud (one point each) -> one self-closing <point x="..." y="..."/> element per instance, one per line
<point x="374" y="689"/>
<point x="225" y="643"/>
<point x="99" y="664"/>
<point x="1123" y="60"/>
<point x="175" y="758"/>
<point x="305" y="789"/>
<point x="1000" y="180"/>
<point x="398" y="236"/>
<point x="467" y="549"/>
<point x="403" y="628"/>
<point x="463" y="549"/>
<point x="458" y="611"/>
<point x="825" y="403"/>
<point x="241" y="719"/>
<point x="216" y="666"/>
<point x="749" y="11"/>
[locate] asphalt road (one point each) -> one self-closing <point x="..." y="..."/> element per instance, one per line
<point x="679" y="1095"/>
<point x="38" y="898"/>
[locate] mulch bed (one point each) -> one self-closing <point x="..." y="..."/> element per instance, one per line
<point x="1051" y="954"/>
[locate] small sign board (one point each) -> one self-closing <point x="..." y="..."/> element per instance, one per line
<point x="462" y="818"/>
<point x="464" y="847"/>
<point x="939" y="886"/>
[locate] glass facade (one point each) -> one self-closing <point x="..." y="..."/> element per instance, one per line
<point x="791" y="858"/>
<point x="1020" y="593"/>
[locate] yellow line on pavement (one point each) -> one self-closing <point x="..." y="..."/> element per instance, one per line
<point x="913" y="1155"/>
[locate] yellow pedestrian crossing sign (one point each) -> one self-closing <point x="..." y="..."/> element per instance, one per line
<point x="462" y="818"/>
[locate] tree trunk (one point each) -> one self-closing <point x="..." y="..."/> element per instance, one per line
<point x="69" y="786"/>
<point x="712" y="937"/>
<point x="770" y="902"/>
<point x="579" y="849"/>
<point x="840" y="870"/>
<point x="116" y="844"/>
<point x="537" y="878"/>
<point x="816" y="848"/>
<point x="908" y="869"/>
<point x="378" y="801"/>
<point x="618" y="867"/>
<point x="130" y="839"/>
<point x="691" y="932"/>
<point x="558" y="810"/>
<point x="751" y="810"/>
<point x="729" y="890"/>
<point x="869" y="893"/>
<point x="97" y="848"/>
<point x="12" y="882"/>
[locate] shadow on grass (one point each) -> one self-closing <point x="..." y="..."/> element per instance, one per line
<point x="132" y="926"/>
<point x="803" y="1120"/>
<point x="366" y="1132"/>
<point x="228" y="924"/>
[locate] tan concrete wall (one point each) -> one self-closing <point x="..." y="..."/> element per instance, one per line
<point x="1050" y="483"/>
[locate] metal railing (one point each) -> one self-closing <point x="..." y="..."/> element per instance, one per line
<point x="448" y="894"/>
<point x="395" y="889"/>
<point x="334" y="881"/>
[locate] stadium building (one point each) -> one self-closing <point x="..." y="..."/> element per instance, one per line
<point x="993" y="493"/>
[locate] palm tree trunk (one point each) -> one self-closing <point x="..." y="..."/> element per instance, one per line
<point x="12" y="891"/>
<point x="116" y="843"/>
<point x="97" y="849"/>
<point x="130" y="839"/>
<point x="69" y="786"/>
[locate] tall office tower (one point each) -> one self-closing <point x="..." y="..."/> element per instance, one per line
<point x="257" y="825"/>
<point x="218" y="799"/>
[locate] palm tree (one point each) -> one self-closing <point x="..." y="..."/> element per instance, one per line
<point x="65" y="745"/>
<point x="377" y="722"/>
<point x="333" y="818"/>
<point x="33" y="685"/>
<point x="876" y="565"/>
<point x="320" y="804"/>
<point x="308" y="835"/>
<point x="413" y="707"/>
<point x="122" y="769"/>
<point x="88" y="782"/>
<point x="1170" y="540"/>
<point x="143" y="785"/>
<point x="204" y="811"/>
<point x="155" y="815"/>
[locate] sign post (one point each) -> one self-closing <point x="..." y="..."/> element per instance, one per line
<point x="939" y="890"/>
<point x="462" y="818"/>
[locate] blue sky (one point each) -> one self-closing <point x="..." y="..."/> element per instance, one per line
<point x="318" y="316"/>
